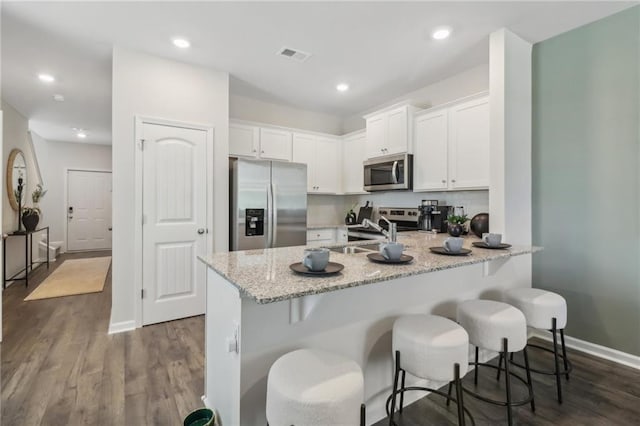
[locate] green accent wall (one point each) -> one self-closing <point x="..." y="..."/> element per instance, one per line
<point x="586" y="182"/>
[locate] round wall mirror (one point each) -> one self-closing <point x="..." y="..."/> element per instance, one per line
<point x="16" y="176"/>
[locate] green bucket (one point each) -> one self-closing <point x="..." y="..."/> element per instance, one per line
<point x="201" y="417"/>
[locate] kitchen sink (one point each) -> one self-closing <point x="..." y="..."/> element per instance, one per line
<point x="370" y="247"/>
<point x="350" y="250"/>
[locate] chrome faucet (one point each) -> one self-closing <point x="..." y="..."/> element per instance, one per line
<point x="391" y="234"/>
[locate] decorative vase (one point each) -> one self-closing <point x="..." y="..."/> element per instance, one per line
<point x="455" y="229"/>
<point x="480" y="224"/>
<point x="30" y="221"/>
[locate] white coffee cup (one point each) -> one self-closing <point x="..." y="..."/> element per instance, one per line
<point x="391" y="251"/>
<point x="453" y="245"/>
<point x="492" y="240"/>
<point x="316" y="259"/>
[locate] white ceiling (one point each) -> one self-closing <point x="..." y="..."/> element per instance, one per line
<point x="382" y="49"/>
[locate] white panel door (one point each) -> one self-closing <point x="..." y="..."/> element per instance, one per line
<point x="275" y="144"/>
<point x="174" y="230"/>
<point x="469" y="145"/>
<point x="88" y="210"/>
<point x="430" y="152"/>
<point x="397" y="131"/>
<point x="243" y="140"/>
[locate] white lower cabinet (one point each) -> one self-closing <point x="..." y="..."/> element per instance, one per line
<point x="451" y="147"/>
<point x="353" y="156"/>
<point x="323" y="158"/>
<point x="326" y="236"/>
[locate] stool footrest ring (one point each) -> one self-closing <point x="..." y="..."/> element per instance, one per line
<point x="423" y="389"/>
<point x="547" y="372"/>
<point x="500" y="402"/>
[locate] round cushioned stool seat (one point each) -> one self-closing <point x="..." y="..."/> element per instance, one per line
<point x="539" y="307"/>
<point x="313" y="387"/>
<point x="430" y="345"/>
<point x="488" y="322"/>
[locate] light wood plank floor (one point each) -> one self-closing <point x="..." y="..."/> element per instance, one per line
<point x="60" y="367"/>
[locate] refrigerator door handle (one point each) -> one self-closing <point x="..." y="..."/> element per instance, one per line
<point x="274" y="215"/>
<point x="269" y="219"/>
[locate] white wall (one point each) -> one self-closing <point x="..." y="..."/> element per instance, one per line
<point x="244" y="108"/>
<point x="149" y="86"/>
<point x="15" y="135"/>
<point x="54" y="158"/>
<point x="469" y="82"/>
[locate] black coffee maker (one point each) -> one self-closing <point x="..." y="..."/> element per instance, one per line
<point x="439" y="218"/>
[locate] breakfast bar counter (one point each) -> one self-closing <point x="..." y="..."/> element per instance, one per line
<point x="259" y="309"/>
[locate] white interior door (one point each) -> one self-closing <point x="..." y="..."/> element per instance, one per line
<point x="88" y="210"/>
<point x="175" y="221"/>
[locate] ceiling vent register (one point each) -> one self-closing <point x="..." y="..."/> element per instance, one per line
<point x="296" y="55"/>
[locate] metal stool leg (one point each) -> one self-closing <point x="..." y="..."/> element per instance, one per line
<point x="404" y="374"/>
<point x="555" y="359"/>
<point x="395" y="388"/>
<point x="507" y="379"/>
<point x="529" y="381"/>
<point x="449" y="393"/>
<point x="458" y="394"/>
<point x="363" y="415"/>
<point x="564" y="354"/>
<point x="499" y="367"/>
<point x="475" y="373"/>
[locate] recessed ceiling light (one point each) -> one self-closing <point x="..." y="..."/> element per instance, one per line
<point x="182" y="43"/>
<point x="441" y="33"/>
<point x="81" y="134"/>
<point x="46" y="78"/>
<point x="58" y="98"/>
<point x="342" y="87"/>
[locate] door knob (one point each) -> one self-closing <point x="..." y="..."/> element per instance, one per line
<point x="200" y="231"/>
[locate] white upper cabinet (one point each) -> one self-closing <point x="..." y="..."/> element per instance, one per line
<point x="275" y="144"/>
<point x="390" y="131"/>
<point x="353" y="155"/>
<point x="452" y="147"/>
<point x="244" y="140"/>
<point x="469" y="146"/>
<point x="259" y="142"/>
<point x="323" y="158"/>
<point x="430" y="151"/>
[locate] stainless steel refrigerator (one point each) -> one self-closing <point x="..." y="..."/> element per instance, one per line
<point x="268" y="204"/>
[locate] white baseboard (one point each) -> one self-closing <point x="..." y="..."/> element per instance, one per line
<point x="593" y="349"/>
<point x="120" y="327"/>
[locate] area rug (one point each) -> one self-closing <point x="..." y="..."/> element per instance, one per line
<point x="74" y="276"/>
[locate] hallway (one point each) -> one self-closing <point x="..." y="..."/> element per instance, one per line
<point x="60" y="367"/>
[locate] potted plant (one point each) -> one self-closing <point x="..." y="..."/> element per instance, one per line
<point x="455" y="225"/>
<point x="31" y="215"/>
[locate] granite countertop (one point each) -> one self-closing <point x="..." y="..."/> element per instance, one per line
<point x="264" y="275"/>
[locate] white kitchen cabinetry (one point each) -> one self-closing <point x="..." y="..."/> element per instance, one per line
<point x="390" y="131"/>
<point x="244" y="141"/>
<point x="353" y="155"/>
<point x="323" y="158"/>
<point x="452" y="147"/>
<point x="259" y="142"/>
<point x="327" y="236"/>
<point x="275" y="144"/>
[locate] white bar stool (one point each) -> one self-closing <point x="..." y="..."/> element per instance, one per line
<point x="502" y="328"/>
<point x="432" y="348"/>
<point x="544" y="310"/>
<point x="310" y="387"/>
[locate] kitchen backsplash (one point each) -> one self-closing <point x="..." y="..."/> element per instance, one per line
<point x="331" y="209"/>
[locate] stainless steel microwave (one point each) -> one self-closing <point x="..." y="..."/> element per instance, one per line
<point x="393" y="172"/>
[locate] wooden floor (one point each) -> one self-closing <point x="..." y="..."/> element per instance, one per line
<point x="59" y="367"/>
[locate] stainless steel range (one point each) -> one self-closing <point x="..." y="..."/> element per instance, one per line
<point x="405" y="218"/>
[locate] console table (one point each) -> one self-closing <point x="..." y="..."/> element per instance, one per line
<point x="28" y="255"/>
